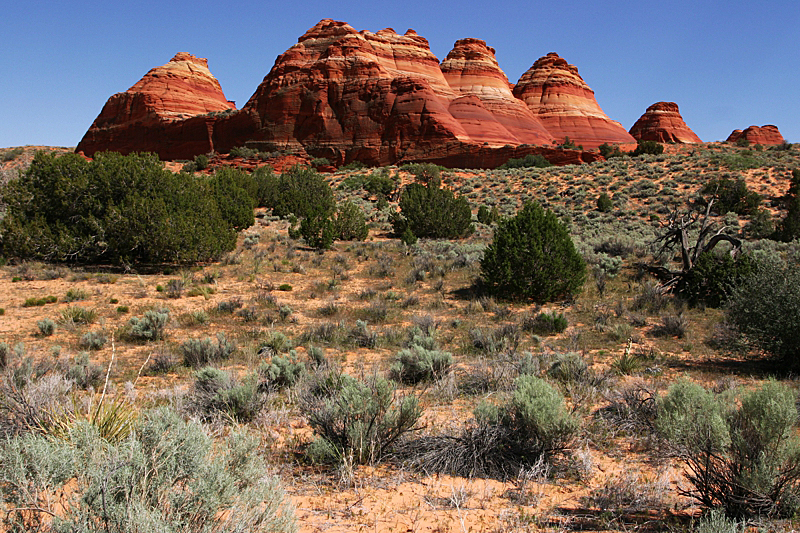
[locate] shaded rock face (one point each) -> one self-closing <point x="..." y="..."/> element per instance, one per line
<point x="768" y="134"/>
<point x="348" y="95"/>
<point x="160" y="113"/>
<point x="662" y="122"/>
<point x="555" y="92"/>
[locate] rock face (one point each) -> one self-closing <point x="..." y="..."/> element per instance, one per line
<point x="151" y="115"/>
<point x="768" y="134"/>
<point x="555" y="92"/>
<point x="471" y="70"/>
<point x="348" y="95"/>
<point x="662" y="122"/>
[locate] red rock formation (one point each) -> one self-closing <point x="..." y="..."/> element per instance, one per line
<point x="768" y="134"/>
<point x="472" y="70"/>
<point x="151" y="115"/>
<point x="555" y="92"/>
<point x="662" y="122"/>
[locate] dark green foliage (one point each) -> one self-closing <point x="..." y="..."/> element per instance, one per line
<point x="350" y="223"/>
<point x="113" y="209"/>
<point x="790" y="226"/>
<point x="529" y="161"/>
<point x="417" y="363"/>
<point x="713" y="277"/>
<point x="201" y="161"/>
<point x="380" y="183"/>
<point x="423" y="172"/>
<point x="303" y="192"/>
<point x="648" y="147"/>
<point x="356" y="421"/>
<point x="532" y="257"/>
<point x="234" y="192"/>
<point x="608" y="151"/>
<point x="430" y="211"/>
<point x="317" y="229"/>
<point x="545" y="323"/>
<point x="760" y="226"/>
<point x="217" y="394"/>
<point x="604" y="203"/>
<point x="766" y="308"/>
<point x="486" y="216"/>
<point x="732" y="195"/>
<point x="198" y="352"/>
<point x="742" y="454"/>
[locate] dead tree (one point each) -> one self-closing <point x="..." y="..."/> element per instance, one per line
<point x="676" y="235"/>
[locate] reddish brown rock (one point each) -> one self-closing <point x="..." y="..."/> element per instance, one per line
<point x="768" y="134"/>
<point x="662" y="122"/>
<point x="152" y="115"/>
<point x="555" y="92"/>
<point x="472" y="70"/>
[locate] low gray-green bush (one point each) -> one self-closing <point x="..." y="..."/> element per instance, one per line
<point x="168" y="476"/>
<point x="149" y="327"/>
<point x="281" y="371"/>
<point x="216" y="394"/>
<point x="741" y="451"/>
<point x="417" y="363"/>
<point x="198" y="352"/>
<point x="46" y="328"/>
<point x="93" y="340"/>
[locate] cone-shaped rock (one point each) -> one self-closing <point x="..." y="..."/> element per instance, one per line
<point x="555" y="92"/>
<point x="472" y="70"/>
<point x="768" y="134"/>
<point x="146" y="117"/>
<point x="662" y="122"/>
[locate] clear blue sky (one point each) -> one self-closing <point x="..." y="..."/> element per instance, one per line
<point x="727" y="63"/>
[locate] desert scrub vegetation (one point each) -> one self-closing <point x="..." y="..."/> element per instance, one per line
<point x="741" y="451"/>
<point x="432" y="211"/>
<point x="168" y="475"/>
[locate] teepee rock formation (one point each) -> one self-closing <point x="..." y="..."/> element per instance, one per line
<point x="662" y="122"/>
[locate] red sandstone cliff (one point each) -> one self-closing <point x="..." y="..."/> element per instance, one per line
<point x="662" y="122"/>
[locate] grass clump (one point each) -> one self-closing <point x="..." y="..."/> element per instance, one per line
<point x="198" y="352"/>
<point x="416" y="364"/>
<point x="545" y="323"/>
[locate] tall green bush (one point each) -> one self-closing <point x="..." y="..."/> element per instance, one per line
<point x="116" y="209"/>
<point x="532" y="257"/>
<point x="789" y="228"/>
<point x="433" y="212"/>
<point x="732" y="195"/>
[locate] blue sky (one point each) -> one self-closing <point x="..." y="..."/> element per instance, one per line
<point x="728" y="64"/>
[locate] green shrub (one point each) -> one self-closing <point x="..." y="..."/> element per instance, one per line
<point x="423" y="172"/>
<point x="608" y="151"/>
<point x="529" y="161"/>
<point x="379" y="183"/>
<point x="74" y="295"/>
<point x="349" y="223"/>
<point x="149" y="327"/>
<point x="713" y="278"/>
<point x="430" y="211"/>
<point x="766" y="308"/>
<point x="742" y="454"/>
<point x="117" y="209"/>
<point x="545" y="323"/>
<point x="229" y="188"/>
<point x="604" y="203"/>
<point x="123" y="309"/>
<point x="532" y="257"/>
<point x="243" y="152"/>
<point x="284" y="287"/>
<point x="217" y="394"/>
<point x="78" y="315"/>
<point x="789" y="228"/>
<point x="198" y="352"/>
<point x="486" y="216"/>
<point x="301" y="191"/>
<point x="354" y="420"/>
<point x="168" y="476"/>
<point x="648" y="147"/>
<point x="417" y="363"/>
<point x="569" y="368"/>
<point x="732" y="195"/>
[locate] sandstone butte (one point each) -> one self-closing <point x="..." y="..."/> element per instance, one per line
<point x="152" y="115"/>
<point x="555" y="92"/>
<point x="662" y="122"/>
<point x="379" y="98"/>
<point x="768" y="134"/>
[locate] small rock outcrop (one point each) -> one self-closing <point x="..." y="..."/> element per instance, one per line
<point x="151" y="115"/>
<point x="662" y="122"/>
<point x="555" y="92"/>
<point x="766" y="135"/>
